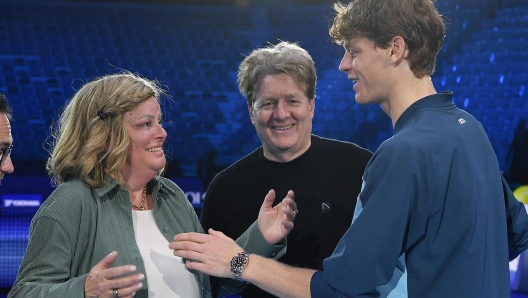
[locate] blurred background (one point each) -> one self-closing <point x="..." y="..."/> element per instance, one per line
<point x="49" y="49"/>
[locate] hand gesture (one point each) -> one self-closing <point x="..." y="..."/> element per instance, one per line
<point x="103" y="281"/>
<point x="276" y="222"/>
<point x="209" y="253"/>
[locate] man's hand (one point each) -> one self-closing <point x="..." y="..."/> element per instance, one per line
<point x="277" y="222"/>
<point x="209" y="253"/>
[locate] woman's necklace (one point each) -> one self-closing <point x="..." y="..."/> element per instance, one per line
<point x="143" y="198"/>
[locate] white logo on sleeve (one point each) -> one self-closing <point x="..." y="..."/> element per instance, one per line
<point x="461" y="121"/>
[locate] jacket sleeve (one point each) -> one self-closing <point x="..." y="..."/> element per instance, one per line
<point x="517" y="223"/>
<point x="45" y="268"/>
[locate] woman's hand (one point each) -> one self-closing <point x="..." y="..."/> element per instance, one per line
<point x="277" y="222"/>
<point x="103" y="281"/>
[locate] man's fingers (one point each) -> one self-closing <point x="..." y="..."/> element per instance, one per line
<point x="288" y="225"/>
<point x="289" y="201"/>
<point x="289" y="213"/>
<point x="268" y="200"/>
<point x="188" y="255"/>
<point x="197" y="266"/>
<point x="186" y="245"/>
<point x="192" y="236"/>
<point x="218" y="234"/>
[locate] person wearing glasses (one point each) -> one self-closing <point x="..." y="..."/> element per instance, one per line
<point x="105" y="230"/>
<point x="6" y="139"/>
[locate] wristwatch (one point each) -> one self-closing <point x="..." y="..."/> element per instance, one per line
<point x="238" y="264"/>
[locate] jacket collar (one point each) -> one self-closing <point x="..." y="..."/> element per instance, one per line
<point x="110" y="183"/>
<point x="440" y="100"/>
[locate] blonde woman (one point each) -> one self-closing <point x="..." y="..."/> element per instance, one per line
<point x="105" y="230"/>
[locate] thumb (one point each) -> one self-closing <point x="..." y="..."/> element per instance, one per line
<point x="268" y="201"/>
<point x="107" y="261"/>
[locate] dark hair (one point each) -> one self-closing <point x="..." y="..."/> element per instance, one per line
<point x="416" y="21"/>
<point x="4" y="106"/>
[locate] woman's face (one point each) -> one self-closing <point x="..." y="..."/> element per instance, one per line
<point x="145" y="152"/>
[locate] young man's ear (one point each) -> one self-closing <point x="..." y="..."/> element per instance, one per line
<point x="398" y="48"/>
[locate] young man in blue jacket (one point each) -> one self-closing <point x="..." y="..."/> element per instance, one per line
<point x="434" y="218"/>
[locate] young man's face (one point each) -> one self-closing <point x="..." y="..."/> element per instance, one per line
<point x="367" y="66"/>
<point x="282" y="116"/>
<point x="6" y="140"/>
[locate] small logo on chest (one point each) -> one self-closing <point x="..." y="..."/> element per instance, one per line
<point x="325" y="207"/>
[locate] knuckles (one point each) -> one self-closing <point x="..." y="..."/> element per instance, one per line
<point x="186" y="245"/>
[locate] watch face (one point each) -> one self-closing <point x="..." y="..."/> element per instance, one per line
<point x="238" y="263"/>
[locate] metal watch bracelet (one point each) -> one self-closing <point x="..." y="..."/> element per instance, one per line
<point x="238" y="264"/>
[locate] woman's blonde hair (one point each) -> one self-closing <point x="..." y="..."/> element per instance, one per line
<point x="89" y="141"/>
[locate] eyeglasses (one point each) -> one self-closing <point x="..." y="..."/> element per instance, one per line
<point x="4" y="153"/>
